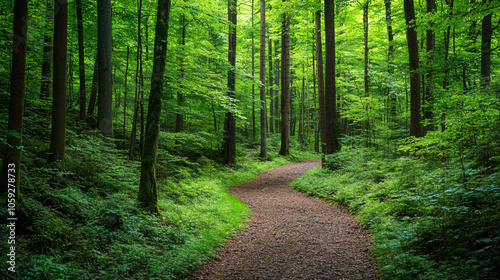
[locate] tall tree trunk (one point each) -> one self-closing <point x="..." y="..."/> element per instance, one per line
<point x="58" y="135"/>
<point x="11" y="168"/>
<point x="179" y="121"/>
<point x="285" y="85"/>
<point x="229" y="147"/>
<point x="321" y="82"/>
<point x="105" y="97"/>
<point x="270" y="83"/>
<point x="429" y="82"/>
<point x="148" y="189"/>
<point x="316" y="124"/>
<point x="93" y="90"/>
<point x="365" y="37"/>
<point x="411" y="35"/>
<point x="332" y="127"/>
<point x="81" y="59"/>
<point x="125" y="97"/>
<point x="486" y="50"/>
<point x="47" y="53"/>
<point x="277" y="84"/>
<point x="263" y="105"/>
<point x="253" y="75"/>
<point x="390" y="55"/>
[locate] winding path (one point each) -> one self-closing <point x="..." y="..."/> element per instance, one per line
<point x="291" y="235"/>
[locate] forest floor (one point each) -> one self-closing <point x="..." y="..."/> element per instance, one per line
<point x="291" y="235"/>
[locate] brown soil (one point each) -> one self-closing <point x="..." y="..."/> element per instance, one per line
<point x="291" y="235"/>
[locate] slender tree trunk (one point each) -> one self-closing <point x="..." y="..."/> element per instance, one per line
<point x="316" y="125"/>
<point x="390" y="55"/>
<point x="486" y="50"/>
<point x="105" y="97"/>
<point x="253" y="75"/>
<point x="285" y="85"/>
<point x="321" y="83"/>
<point x="229" y="147"/>
<point x="429" y="85"/>
<point x="179" y="122"/>
<point x="365" y="37"/>
<point x="81" y="59"/>
<point x="277" y="84"/>
<point x="47" y="53"/>
<point x="332" y="127"/>
<point x="411" y="35"/>
<point x="148" y="189"/>
<point x="58" y="135"/>
<point x="125" y="97"/>
<point x="270" y="84"/>
<point x="11" y="168"/>
<point x="263" y="105"/>
<point x="93" y="90"/>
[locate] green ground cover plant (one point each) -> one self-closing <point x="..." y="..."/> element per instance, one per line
<point x="426" y="219"/>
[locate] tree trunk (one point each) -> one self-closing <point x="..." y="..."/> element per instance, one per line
<point x="365" y="37"/>
<point x="58" y="135"/>
<point x="263" y="105"/>
<point x="429" y="95"/>
<point x="285" y="85"/>
<point x="321" y="82"/>
<point x="411" y="35"/>
<point x="229" y="147"/>
<point x="125" y="97"/>
<point x="93" y="90"/>
<point x="270" y="84"/>
<point x="105" y="97"/>
<point x="11" y="169"/>
<point x="179" y="120"/>
<point x="148" y="190"/>
<point x="253" y="75"/>
<point x="332" y="127"/>
<point x="316" y="125"/>
<point x="47" y="53"/>
<point x="81" y="59"/>
<point x="486" y="50"/>
<point x="277" y="84"/>
<point x="390" y="55"/>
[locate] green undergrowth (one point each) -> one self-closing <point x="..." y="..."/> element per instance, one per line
<point x="428" y="220"/>
<point x="84" y="221"/>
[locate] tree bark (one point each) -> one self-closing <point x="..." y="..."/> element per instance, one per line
<point x="332" y="127"/>
<point x="125" y="96"/>
<point x="270" y="83"/>
<point x="411" y="35"/>
<point x="58" y="135"/>
<point x="321" y="82"/>
<point x="263" y="105"/>
<point x="229" y="147"/>
<point x="390" y="55"/>
<point x="285" y="85"/>
<point x="105" y="97"/>
<point x="148" y="190"/>
<point x="81" y="60"/>
<point x="253" y="75"/>
<point x="47" y="53"/>
<point x="486" y="50"/>
<point x="429" y="95"/>
<point x="11" y="168"/>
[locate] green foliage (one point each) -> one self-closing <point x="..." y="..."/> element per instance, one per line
<point x="425" y="220"/>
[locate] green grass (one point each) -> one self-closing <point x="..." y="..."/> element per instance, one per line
<point x="425" y="220"/>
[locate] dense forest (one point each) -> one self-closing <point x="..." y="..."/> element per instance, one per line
<point x="125" y="122"/>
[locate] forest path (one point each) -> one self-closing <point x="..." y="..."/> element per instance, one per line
<point x="291" y="235"/>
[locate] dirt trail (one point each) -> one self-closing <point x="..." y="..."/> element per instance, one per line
<point x="291" y="235"/>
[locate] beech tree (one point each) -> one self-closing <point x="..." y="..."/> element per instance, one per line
<point x="229" y="145"/>
<point x="58" y="136"/>
<point x="263" y="105"/>
<point x="321" y="83"/>
<point x="285" y="84"/>
<point x="411" y="35"/>
<point x="81" y="59"/>
<point x="148" y="189"/>
<point x="105" y="96"/>
<point x="332" y="127"/>
<point x="11" y="168"/>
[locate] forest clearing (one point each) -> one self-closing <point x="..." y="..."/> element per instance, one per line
<point x="250" y="139"/>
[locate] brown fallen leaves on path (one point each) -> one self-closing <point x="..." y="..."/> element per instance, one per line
<point x="291" y="235"/>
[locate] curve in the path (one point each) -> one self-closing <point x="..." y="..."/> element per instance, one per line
<point x="291" y="235"/>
